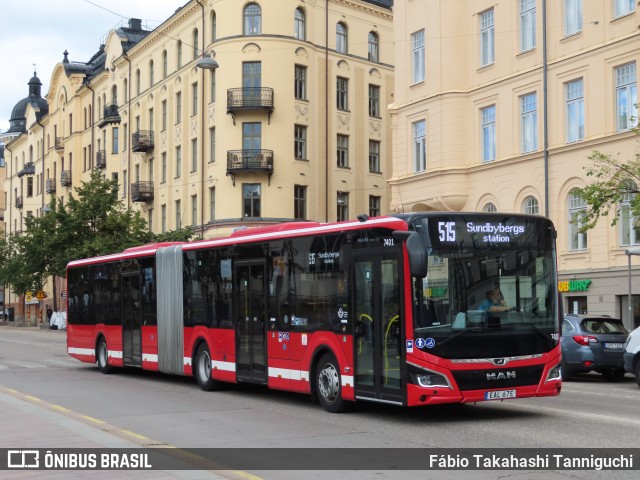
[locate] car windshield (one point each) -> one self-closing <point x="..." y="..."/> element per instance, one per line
<point x="603" y="325"/>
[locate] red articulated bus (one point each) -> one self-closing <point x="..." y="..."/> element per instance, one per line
<point x="389" y="309"/>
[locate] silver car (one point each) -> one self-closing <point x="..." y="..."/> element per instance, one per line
<point x="593" y="343"/>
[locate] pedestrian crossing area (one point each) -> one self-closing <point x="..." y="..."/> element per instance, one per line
<point x="6" y="364"/>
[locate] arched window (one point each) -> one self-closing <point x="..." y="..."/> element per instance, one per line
<point x="530" y="206"/>
<point x="125" y="89"/>
<point x="489" y="208"/>
<point x="252" y="19"/>
<point x="165" y="64"/>
<point x="179" y="54"/>
<point x="85" y="117"/>
<point x="31" y="153"/>
<point x="341" y="38"/>
<point x="373" y="52"/>
<point x="90" y="116"/>
<point x="138" y="82"/>
<point x="151" y="73"/>
<point x="99" y="108"/>
<point x="114" y="95"/>
<point x="577" y="207"/>
<point x="213" y="27"/>
<point x="299" y="24"/>
<point x="196" y="49"/>
<point x="629" y="226"/>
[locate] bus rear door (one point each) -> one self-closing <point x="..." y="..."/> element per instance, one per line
<point x="378" y="326"/>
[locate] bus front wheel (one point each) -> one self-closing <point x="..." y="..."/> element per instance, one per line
<point x="202" y="369"/>
<point x="102" y="357"/>
<point x="328" y="385"/>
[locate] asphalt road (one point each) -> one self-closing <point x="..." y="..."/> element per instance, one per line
<point x="48" y="399"/>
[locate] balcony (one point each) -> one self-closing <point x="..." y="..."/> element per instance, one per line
<point x="142" y="141"/>
<point x="29" y="169"/>
<point x="142" y="192"/>
<point x="50" y="186"/>
<point x="249" y="99"/>
<point x="110" y="115"/>
<point x="249" y="161"/>
<point x="19" y="202"/>
<point x="101" y="159"/>
<point x="65" y="178"/>
<point x="59" y="143"/>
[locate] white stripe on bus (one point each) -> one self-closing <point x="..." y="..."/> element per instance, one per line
<point x="81" y="351"/>
<point x="288" y="374"/>
<point x="150" y="357"/>
<point x="226" y="366"/>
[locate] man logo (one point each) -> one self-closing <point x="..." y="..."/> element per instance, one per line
<point x="499" y="361"/>
<point x="503" y="375"/>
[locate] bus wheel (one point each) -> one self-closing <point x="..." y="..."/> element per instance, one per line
<point x="328" y="385"/>
<point x="202" y="369"/>
<point x="102" y="357"/>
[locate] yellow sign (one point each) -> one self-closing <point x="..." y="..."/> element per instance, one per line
<point x="41" y="295"/>
<point x="28" y="296"/>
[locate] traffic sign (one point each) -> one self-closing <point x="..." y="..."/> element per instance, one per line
<point x="41" y="295"/>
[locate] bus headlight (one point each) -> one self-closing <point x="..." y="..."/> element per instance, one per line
<point x="427" y="378"/>
<point x="555" y="373"/>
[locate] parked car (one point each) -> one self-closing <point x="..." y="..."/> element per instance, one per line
<point x="632" y="354"/>
<point x="593" y="343"/>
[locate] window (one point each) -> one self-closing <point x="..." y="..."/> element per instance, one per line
<point x="300" y="82"/>
<point x="486" y="38"/>
<point x="163" y="218"/>
<point x="527" y="25"/>
<point x="300" y="202"/>
<point x="298" y="24"/>
<point x="575" y="111"/>
<point x="373" y="43"/>
<point x="163" y="167"/>
<point x="342" y="94"/>
<point x="150" y="219"/>
<point x="194" y="99"/>
<point x="164" y="115"/>
<point x="179" y="54"/>
<point x="374" y="156"/>
<point x="194" y="155"/>
<point x="212" y="204"/>
<point x="137" y="82"/>
<point x="489" y="208"/>
<point x="252" y="19"/>
<point x="419" y="146"/>
<point x="194" y="210"/>
<point x="251" y="199"/>
<point x="488" y="121"/>
<point x="214" y="26"/>
<point x="165" y="64"/>
<point x="529" y="122"/>
<point x="125" y="137"/>
<point x="29" y="186"/>
<point x="212" y="144"/>
<point x="418" y="65"/>
<point x="178" y="161"/>
<point x="114" y="140"/>
<point x="178" y="214"/>
<point x="125" y="184"/>
<point x="178" y="107"/>
<point x="626" y="96"/>
<point x="374" y="101"/>
<point x="530" y="206"/>
<point x="196" y="49"/>
<point x="572" y="17"/>
<point x="151" y="122"/>
<point x="343" y="151"/>
<point x="374" y="206"/>
<point x="577" y="207"/>
<point x="342" y="213"/>
<point x="150" y="73"/>
<point x="300" y="142"/>
<point x="623" y="7"/>
<point x="213" y="86"/>
<point x="629" y="227"/>
<point x="341" y="38"/>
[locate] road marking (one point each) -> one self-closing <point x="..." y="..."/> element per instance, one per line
<point x="25" y="364"/>
<point x="562" y="411"/>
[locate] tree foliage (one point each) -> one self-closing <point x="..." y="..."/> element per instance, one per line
<point x="92" y="222"/>
<point x="612" y="181"/>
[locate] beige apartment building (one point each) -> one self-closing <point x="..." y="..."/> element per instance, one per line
<point x="484" y="119"/>
<point x="229" y="114"/>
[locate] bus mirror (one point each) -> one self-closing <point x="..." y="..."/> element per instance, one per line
<point x="416" y="250"/>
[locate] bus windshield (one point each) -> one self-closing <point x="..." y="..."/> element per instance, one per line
<point x="489" y="291"/>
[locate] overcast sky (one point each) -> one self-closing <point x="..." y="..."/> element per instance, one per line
<point x="38" y="31"/>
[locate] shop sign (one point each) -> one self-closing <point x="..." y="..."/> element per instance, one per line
<point x="574" y="285"/>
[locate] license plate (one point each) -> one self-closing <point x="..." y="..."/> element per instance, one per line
<point x="613" y="346"/>
<point x="499" y="394"/>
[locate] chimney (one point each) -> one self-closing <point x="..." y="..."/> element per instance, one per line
<point x="135" y="24"/>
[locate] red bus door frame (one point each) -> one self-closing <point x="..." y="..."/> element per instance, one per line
<point x="251" y="314"/>
<point x="131" y="319"/>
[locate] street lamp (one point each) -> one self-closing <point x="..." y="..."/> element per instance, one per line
<point x="207" y="62"/>
<point x="628" y="252"/>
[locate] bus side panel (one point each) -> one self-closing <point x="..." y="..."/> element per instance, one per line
<point x="282" y="373"/>
<point x="150" y="347"/>
<point x="113" y="335"/>
<point x="222" y="345"/>
<point x="322" y="340"/>
<point x="81" y="342"/>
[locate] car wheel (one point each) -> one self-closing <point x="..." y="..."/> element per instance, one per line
<point x="614" y="375"/>
<point x="328" y="385"/>
<point x="102" y="357"/>
<point x="202" y="369"/>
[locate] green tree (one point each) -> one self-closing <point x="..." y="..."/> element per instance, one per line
<point x="611" y="181"/>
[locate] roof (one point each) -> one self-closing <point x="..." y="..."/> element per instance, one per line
<point x="381" y="3"/>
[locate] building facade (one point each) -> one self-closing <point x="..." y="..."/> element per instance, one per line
<point x="484" y="119"/>
<point x="291" y="125"/>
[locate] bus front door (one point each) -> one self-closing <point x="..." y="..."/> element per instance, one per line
<point x="378" y="327"/>
<point x="251" y="358"/>
<point x="131" y="331"/>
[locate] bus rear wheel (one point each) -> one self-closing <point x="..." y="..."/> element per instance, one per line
<point x="102" y="357"/>
<point x="328" y="385"/>
<point x="202" y="369"/>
